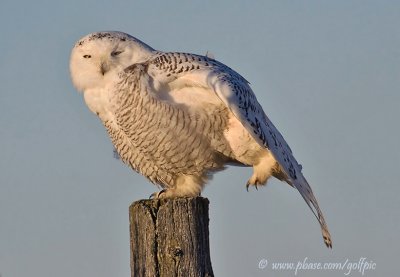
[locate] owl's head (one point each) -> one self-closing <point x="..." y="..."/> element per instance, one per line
<point x="98" y="54"/>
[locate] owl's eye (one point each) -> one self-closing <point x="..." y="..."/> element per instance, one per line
<point x="116" y="53"/>
<point x="87" y="56"/>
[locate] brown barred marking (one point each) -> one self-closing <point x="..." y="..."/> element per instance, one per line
<point x="162" y="141"/>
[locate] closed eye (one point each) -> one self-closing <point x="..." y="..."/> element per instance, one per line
<point x="87" y="56"/>
<point x="116" y="53"/>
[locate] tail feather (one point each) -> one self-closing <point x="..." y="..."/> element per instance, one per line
<point x="306" y="192"/>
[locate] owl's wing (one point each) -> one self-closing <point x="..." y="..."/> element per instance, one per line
<point x="240" y="99"/>
<point x="234" y="91"/>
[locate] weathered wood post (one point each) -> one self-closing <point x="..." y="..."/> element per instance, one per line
<point x="169" y="237"/>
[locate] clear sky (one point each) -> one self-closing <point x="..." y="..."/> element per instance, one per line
<point x="326" y="72"/>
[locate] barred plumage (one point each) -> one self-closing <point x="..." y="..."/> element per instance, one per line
<point x="161" y="141"/>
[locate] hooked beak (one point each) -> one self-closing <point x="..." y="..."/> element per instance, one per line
<point x="104" y="68"/>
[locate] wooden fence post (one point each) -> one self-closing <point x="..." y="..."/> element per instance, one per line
<point x="169" y="237"/>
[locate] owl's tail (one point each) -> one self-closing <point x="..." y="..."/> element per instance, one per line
<point x="305" y="190"/>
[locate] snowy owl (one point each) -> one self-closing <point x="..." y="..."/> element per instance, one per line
<point x="177" y="118"/>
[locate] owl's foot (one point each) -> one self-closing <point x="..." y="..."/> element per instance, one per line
<point x="185" y="186"/>
<point x="261" y="171"/>
<point x="252" y="183"/>
<point x="157" y="194"/>
<point x="170" y="193"/>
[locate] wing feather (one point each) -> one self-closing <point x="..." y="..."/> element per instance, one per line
<point x="234" y="91"/>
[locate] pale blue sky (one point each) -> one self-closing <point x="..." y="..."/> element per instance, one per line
<point x="326" y="72"/>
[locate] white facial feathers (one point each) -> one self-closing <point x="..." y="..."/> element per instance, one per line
<point x="96" y="54"/>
